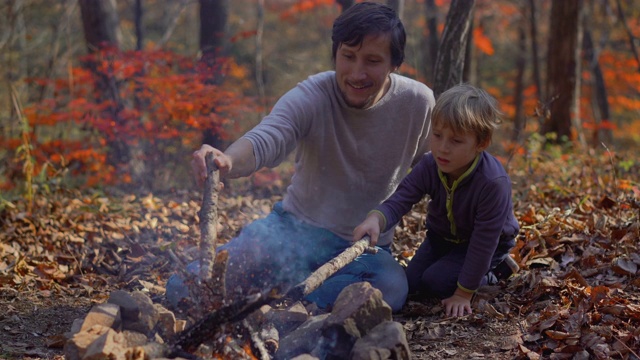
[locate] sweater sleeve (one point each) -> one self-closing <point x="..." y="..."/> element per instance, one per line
<point x="492" y="212"/>
<point x="277" y="135"/>
<point x="410" y="191"/>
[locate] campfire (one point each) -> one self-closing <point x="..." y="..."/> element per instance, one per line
<point x="264" y="325"/>
<point x="259" y="326"/>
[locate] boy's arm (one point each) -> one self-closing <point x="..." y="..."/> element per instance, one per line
<point x="411" y="190"/>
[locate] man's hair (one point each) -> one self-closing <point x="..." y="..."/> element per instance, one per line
<point x="466" y="108"/>
<point x="369" y="18"/>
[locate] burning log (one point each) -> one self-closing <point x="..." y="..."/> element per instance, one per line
<point x="205" y="295"/>
<point x="207" y="327"/>
<point x="209" y="290"/>
<point x="325" y="271"/>
<point x="258" y="344"/>
<point x="271" y="338"/>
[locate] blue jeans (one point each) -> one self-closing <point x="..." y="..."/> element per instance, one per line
<point x="280" y="250"/>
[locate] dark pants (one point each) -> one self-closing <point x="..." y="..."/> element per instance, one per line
<point x="436" y="266"/>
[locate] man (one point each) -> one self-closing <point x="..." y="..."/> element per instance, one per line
<point x="357" y="131"/>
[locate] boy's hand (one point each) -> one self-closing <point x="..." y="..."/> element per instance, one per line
<point x="458" y="304"/>
<point x="370" y="226"/>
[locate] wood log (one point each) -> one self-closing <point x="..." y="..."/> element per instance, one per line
<point x="271" y="338"/>
<point x="325" y="271"/>
<point x="209" y="219"/>
<point x="256" y="341"/>
<point x="205" y="328"/>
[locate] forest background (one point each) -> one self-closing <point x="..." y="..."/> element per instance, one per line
<point x="131" y="113"/>
<point x="103" y="102"/>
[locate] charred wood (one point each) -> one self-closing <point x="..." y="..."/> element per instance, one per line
<point x="256" y="341"/>
<point x="207" y="327"/>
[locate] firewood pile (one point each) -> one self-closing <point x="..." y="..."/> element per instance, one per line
<point x="130" y="326"/>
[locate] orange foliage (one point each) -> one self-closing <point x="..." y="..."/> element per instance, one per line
<point x="482" y="42"/>
<point x="305" y="6"/>
<point x="165" y="102"/>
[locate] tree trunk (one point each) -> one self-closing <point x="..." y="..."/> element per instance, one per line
<point x="345" y="4"/>
<point x="397" y="6"/>
<point x="13" y="38"/>
<point x="213" y="25"/>
<point x="562" y="67"/>
<point x="432" y="39"/>
<point x="260" y="58"/>
<point x="100" y="24"/>
<point x="575" y="110"/>
<point x="138" y="21"/>
<point x="632" y="42"/>
<point x="213" y="28"/>
<point x="470" y="68"/>
<point x="518" y="97"/>
<point x="535" y="60"/>
<point x="450" y="61"/>
<point x="601" y="108"/>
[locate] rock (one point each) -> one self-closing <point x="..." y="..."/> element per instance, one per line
<point x="148" y="315"/>
<point x="357" y="310"/>
<point x="288" y="319"/>
<point x="107" y="315"/>
<point x="167" y="324"/>
<point x="76" y="347"/>
<point x="128" y="305"/>
<point x="305" y="357"/>
<point x="75" y="328"/>
<point x="303" y="339"/>
<point x="385" y="341"/>
<point x="133" y="338"/>
<point x="110" y="345"/>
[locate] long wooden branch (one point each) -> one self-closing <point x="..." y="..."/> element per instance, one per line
<point x="325" y="271"/>
<point x="209" y="219"/>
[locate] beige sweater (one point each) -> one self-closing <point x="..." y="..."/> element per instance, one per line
<point x="348" y="160"/>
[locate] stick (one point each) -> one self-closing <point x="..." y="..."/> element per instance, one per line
<point x="325" y="271"/>
<point x="209" y="219"/>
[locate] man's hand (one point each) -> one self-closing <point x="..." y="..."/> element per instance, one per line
<point x="199" y="165"/>
<point x="458" y="303"/>
<point x="370" y="226"/>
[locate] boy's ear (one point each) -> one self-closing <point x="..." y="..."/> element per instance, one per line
<point x="484" y="145"/>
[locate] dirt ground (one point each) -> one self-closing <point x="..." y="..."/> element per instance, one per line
<point x="33" y="327"/>
<point x="576" y="296"/>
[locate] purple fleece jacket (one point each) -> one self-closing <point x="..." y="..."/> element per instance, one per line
<point x="481" y="210"/>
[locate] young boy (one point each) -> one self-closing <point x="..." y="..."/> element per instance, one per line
<point x="470" y="222"/>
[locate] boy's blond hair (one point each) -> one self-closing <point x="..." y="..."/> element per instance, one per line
<point x="466" y="108"/>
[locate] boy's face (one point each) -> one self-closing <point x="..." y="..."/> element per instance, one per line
<point x="454" y="151"/>
<point x="362" y="71"/>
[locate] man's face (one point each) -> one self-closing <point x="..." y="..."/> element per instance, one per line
<point x="362" y="71"/>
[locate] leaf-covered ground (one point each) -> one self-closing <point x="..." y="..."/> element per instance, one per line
<point x="576" y="297"/>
